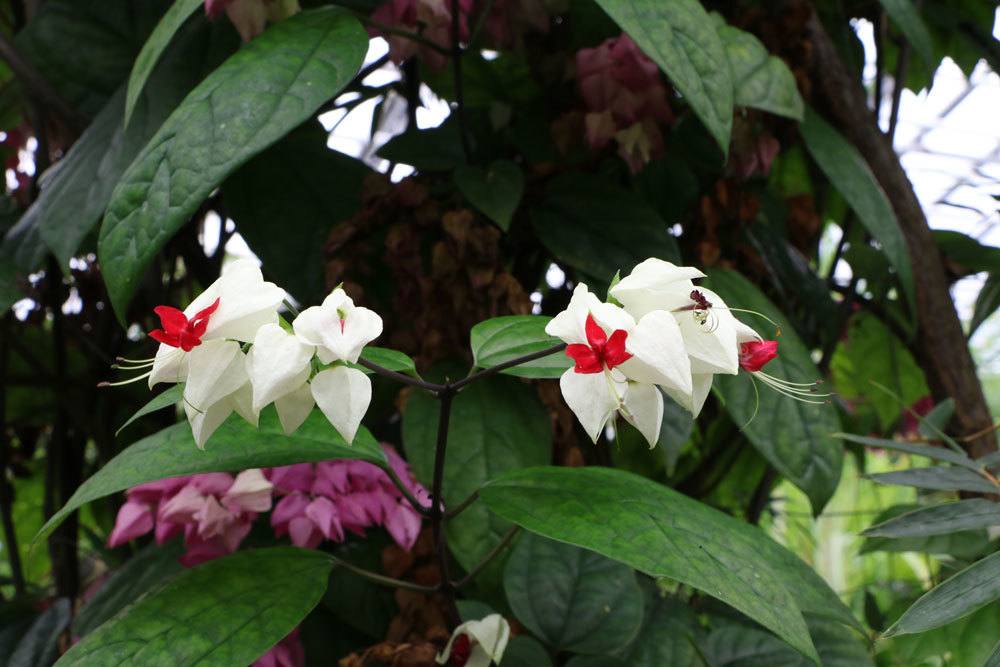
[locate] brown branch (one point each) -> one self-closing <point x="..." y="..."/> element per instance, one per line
<point x="940" y="342"/>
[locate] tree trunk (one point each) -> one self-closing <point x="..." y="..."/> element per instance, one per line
<point x="940" y="342"/>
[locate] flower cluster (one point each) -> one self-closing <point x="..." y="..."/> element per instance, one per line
<point x="214" y="511"/>
<point x="663" y="334"/>
<point x="625" y="97"/>
<point x="249" y="17"/>
<point x="293" y="366"/>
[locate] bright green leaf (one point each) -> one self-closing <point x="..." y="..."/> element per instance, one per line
<point x="794" y="437"/>
<point x="268" y="87"/>
<point x="663" y="533"/>
<point x="850" y="174"/>
<point x="495" y="191"/>
<point x="226" y="612"/>
<point x="571" y="598"/>
<point x="959" y="596"/>
<point x="501" y="339"/>
<point x="235" y="446"/>
<point x="681" y="38"/>
<point x="969" y="514"/>
<point x="154" y="47"/>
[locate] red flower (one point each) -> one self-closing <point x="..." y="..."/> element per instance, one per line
<point x="178" y="330"/>
<point x="602" y="351"/>
<point x="461" y="649"/>
<point x="756" y="353"/>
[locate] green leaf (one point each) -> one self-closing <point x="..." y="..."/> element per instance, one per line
<point x="663" y="533"/>
<point x="571" y="598"/>
<point x="850" y="174"/>
<point x="226" y="612"/>
<point x="598" y="228"/>
<point x="297" y="189"/>
<point x="973" y="635"/>
<point x="794" y="437"/>
<point x="937" y="479"/>
<point x="497" y="425"/>
<point x="268" y="87"/>
<point x="435" y="149"/>
<point x="504" y="338"/>
<point x="760" y="80"/>
<point x="151" y="566"/>
<point x="154" y="47"/>
<point x="994" y="659"/>
<point x="905" y="15"/>
<point x="929" y="451"/>
<point x="668" y="636"/>
<point x="235" y="446"/>
<point x="968" y="253"/>
<point x="681" y="38"/>
<point x="166" y="398"/>
<point x="40" y="644"/>
<point x="969" y="514"/>
<point x="987" y="303"/>
<point x="391" y="359"/>
<point x="495" y="191"/>
<point x="963" y="544"/>
<point x="743" y="646"/>
<point x="959" y="596"/>
<point x="523" y="651"/>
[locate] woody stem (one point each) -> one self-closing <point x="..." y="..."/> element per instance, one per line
<point x="437" y="512"/>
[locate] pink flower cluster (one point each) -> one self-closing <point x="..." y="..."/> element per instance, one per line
<point x="625" y="97"/>
<point x="214" y="511"/>
<point x="430" y="18"/>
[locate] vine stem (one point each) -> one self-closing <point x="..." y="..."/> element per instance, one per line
<point x="496" y="551"/>
<point x="493" y="370"/>
<point x="437" y="513"/>
<point x="381" y="578"/>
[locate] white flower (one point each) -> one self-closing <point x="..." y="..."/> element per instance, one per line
<point x="279" y="365"/>
<point x="477" y="643"/>
<point x="618" y="360"/>
<point x="338" y="328"/>
<point x="217" y="384"/>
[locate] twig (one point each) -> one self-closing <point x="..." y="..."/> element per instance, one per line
<point x="406" y="34"/>
<point x="493" y="370"/>
<point x="456" y="59"/>
<point x="496" y="551"/>
<point x="382" y="579"/>
<point x="37" y="87"/>
<point x="480" y="23"/>
<point x="899" y="78"/>
<point x="462" y="506"/>
<point x="437" y="516"/>
<point x="401" y="377"/>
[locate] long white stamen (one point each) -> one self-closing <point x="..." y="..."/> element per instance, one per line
<point x="135" y="361"/>
<point x="123" y="382"/>
<point x="789" y="382"/>
<point x="133" y="367"/>
<point x="778" y="385"/>
<point x="794" y="396"/>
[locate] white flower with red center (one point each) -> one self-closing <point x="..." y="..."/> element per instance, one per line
<point x="201" y="346"/>
<point x="619" y="363"/>
<point x="477" y="643"/>
<point x="280" y="365"/>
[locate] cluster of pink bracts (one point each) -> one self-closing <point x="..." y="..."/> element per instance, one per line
<point x="308" y="502"/>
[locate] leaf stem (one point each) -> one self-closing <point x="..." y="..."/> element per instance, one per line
<point x="432" y="387"/>
<point x="381" y="578"/>
<point x="493" y="370"/>
<point x="462" y="506"/>
<point x="496" y="551"/>
<point x="406" y="34"/>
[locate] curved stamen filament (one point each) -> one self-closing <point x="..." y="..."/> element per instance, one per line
<point x="124" y="382"/>
<point x="135" y="361"/>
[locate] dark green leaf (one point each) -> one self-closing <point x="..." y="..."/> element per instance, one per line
<point x="938" y="479"/>
<point x="571" y="598"/>
<point x="357" y="602"/>
<point x="760" y="80"/>
<point x="504" y="338"/>
<point x="963" y="544"/>
<point x="675" y="429"/>
<point x="681" y="38"/>
<point x="906" y="16"/>
<point x="994" y="659"/>
<point x="849" y="173"/>
<point x="166" y="398"/>
<point x="144" y="571"/>
<point x="495" y="191"/>
<point x="794" y="437"/>
<point x="296" y="190"/>
<point x="23" y="249"/>
<point x="473" y="610"/>
<point x="497" y="424"/>
<point x="154" y="47"/>
<point x="969" y="514"/>
<point x="663" y="533"/>
<point x="598" y="228"/>
<point x="929" y="451"/>
<point x="391" y="359"/>
<point x="968" y="253"/>
<point x="235" y="446"/>
<point x="523" y="651"/>
<point x="269" y="86"/>
<point x="987" y="303"/>
<point x="226" y="612"/>
<point x="436" y="149"/>
<point x="964" y="643"/>
<point x="40" y="644"/>
<point x="959" y="596"/>
<point x="669" y="634"/>
<point x="595" y="661"/>
<point x="743" y="646"/>
<point x="77" y="190"/>
<point x="935" y="421"/>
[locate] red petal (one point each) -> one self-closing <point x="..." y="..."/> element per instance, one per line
<point x="173" y="340"/>
<point x="595" y="334"/>
<point x="205" y="313"/>
<point x="614" y="351"/>
<point x="587" y="360"/>
<point x="188" y="342"/>
<point x="171" y="319"/>
<point x="755" y="354"/>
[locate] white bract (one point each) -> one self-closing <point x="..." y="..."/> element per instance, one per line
<point x="620" y="363"/>
<point x="477" y="643"/>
